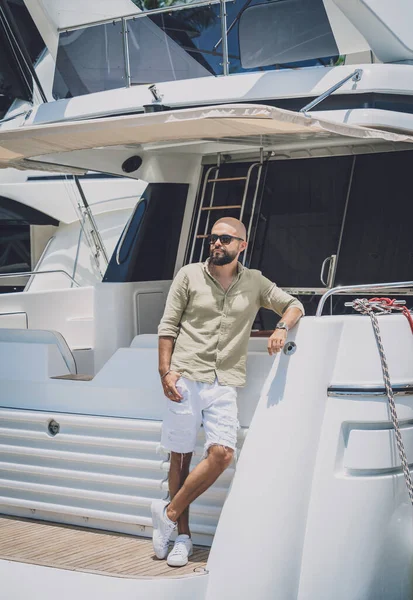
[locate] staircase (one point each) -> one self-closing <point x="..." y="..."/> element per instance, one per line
<point x="244" y="208"/>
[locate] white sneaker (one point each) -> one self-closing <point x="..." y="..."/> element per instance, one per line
<point x="162" y="528"/>
<point x="178" y="556"/>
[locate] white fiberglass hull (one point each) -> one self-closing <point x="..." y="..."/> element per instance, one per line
<point x="317" y="493"/>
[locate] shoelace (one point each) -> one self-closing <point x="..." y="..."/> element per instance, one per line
<point x="179" y="548"/>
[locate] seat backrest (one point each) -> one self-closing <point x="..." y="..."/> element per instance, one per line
<point x="145" y="340"/>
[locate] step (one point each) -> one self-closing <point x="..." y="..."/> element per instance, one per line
<point x="226" y="207"/>
<point x="220" y="179"/>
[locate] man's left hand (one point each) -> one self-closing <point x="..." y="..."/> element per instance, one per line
<point x="276" y="341"/>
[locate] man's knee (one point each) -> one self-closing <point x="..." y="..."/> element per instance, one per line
<point x="222" y="455"/>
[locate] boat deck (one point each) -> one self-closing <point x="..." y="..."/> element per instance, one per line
<point x="79" y="549"/>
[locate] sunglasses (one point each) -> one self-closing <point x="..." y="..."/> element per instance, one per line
<point x="224" y="239"/>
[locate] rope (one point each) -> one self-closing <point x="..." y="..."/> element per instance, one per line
<point x="367" y="307"/>
<point x="393" y="304"/>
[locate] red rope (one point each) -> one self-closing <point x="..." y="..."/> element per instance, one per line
<point x="390" y="303"/>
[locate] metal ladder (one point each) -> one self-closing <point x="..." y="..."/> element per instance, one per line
<point x="212" y="177"/>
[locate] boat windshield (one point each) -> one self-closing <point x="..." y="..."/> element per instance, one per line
<point x="186" y="43"/>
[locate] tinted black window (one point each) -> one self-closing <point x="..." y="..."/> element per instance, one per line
<point x="285" y="31"/>
<point x="14" y="247"/>
<point x="26" y="28"/>
<point x="154" y="237"/>
<point x="301" y="215"/>
<point x="377" y="241"/>
<point x="132" y="231"/>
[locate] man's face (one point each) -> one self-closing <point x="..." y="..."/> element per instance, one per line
<point x="222" y="254"/>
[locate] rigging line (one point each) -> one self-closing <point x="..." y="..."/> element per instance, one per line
<point x="367" y="308"/>
<point x="343" y="221"/>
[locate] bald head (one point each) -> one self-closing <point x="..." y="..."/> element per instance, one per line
<point x="222" y="254"/>
<point x="230" y="226"/>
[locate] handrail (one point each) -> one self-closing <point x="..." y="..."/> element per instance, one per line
<point x="143" y="13"/>
<point x="20" y="114"/>
<point x="360" y="288"/>
<point x="331" y="260"/>
<point x="26" y="273"/>
<point x="39" y="262"/>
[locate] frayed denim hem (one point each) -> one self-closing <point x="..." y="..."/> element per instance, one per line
<point x="224" y="445"/>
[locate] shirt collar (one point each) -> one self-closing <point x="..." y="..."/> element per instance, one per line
<point x="205" y="266"/>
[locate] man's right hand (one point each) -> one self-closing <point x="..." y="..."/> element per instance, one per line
<point x="169" y="386"/>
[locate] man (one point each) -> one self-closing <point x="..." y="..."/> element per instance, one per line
<point x="203" y="338"/>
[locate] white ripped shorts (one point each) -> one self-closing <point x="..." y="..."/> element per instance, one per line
<point x="212" y="405"/>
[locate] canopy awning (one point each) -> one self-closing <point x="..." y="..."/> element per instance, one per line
<point x="54" y="143"/>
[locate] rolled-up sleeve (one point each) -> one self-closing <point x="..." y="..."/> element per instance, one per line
<point x="276" y="299"/>
<point x="175" y="305"/>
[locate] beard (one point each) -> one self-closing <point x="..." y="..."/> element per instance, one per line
<point x="221" y="256"/>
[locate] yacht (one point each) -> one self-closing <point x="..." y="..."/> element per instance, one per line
<point x="296" y="117"/>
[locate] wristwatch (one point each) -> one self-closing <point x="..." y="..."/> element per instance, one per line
<point x="281" y="325"/>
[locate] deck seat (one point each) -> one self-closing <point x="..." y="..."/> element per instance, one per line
<point x="145" y="340"/>
<point x="43" y="337"/>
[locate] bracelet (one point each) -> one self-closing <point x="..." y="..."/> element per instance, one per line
<point x="165" y="374"/>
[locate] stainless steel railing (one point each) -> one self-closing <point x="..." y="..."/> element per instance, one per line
<point x="369" y="287"/>
<point x="27" y="273"/>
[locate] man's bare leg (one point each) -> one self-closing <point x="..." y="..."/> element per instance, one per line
<point x="199" y="480"/>
<point x="178" y="473"/>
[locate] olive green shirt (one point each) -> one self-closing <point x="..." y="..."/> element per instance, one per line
<point x="212" y="326"/>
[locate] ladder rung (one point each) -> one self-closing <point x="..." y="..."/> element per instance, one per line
<point x="227" y="179"/>
<point x="221" y="207"/>
<point x="201" y="237"/>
